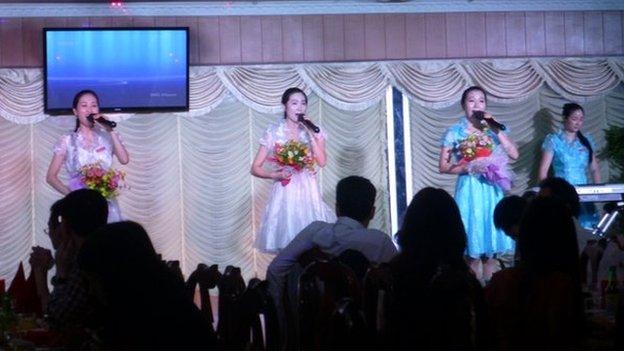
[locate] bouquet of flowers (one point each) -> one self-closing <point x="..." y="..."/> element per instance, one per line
<point x="292" y="156"/>
<point x="484" y="160"/>
<point x="106" y="181"/>
<point x="475" y="146"/>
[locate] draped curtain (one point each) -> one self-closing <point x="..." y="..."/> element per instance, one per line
<point x="188" y="178"/>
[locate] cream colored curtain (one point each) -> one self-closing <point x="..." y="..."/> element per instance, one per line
<point x="189" y="172"/>
<point x="527" y="97"/>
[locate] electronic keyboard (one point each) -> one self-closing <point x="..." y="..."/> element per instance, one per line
<point x="600" y="192"/>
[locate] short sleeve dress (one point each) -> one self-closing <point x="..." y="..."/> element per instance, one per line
<point x="79" y="152"/>
<point x="290" y="207"/>
<point x="571" y="162"/>
<point x="476" y="199"/>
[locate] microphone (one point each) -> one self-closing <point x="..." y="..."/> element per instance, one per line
<point x="308" y="123"/>
<point x="480" y="116"/>
<point x="102" y="120"/>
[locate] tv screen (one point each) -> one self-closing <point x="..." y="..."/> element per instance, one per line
<point x="131" y="69"/>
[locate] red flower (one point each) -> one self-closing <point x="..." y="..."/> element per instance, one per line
<point x="483" y="152"/>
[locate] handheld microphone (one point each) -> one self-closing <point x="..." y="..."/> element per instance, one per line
<point x="480" y="116"/>
<point x="102" y="120"/>
<point x="308" y="123"/>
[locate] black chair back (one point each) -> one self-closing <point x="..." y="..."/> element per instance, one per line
<point x="321" y="286"/>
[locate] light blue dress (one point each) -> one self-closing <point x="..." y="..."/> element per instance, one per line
<point x="570" y="162"/>
<point x="476" y="200"/>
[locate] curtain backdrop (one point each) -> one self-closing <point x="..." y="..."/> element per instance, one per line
<point x="189" y="181"/>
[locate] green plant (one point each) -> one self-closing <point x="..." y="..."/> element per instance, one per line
<point x="614" y="152"/>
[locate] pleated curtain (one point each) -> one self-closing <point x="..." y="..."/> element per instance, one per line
<point x="188" y="179"/>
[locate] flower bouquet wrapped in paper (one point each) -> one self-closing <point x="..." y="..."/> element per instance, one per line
<point x="106" y="181"/>
<point x="293" y="157"/>
<point x="485" y="160"/>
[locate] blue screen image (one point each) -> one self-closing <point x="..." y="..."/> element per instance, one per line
<point x="128" y="69"/>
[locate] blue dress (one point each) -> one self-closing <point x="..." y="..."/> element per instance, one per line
<point x="570" y="162"/>
<point x="476" y="200"/>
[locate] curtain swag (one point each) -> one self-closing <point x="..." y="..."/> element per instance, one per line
<point x="355" y="86"/>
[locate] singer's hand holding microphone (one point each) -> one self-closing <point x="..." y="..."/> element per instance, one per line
<point x="306" y="122"/>
<point x="481" y="116"/>
<point x="103" y="121"/>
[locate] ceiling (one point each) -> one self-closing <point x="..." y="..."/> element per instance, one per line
<point x="94" y="8"/>
<point x="170" y="1"/>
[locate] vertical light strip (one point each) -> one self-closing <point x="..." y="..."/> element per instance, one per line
<point x="407" y="150"/>
<point x="181" y="180"/>
<point x="33" y="212"/>
<point x="253" y="197"/>
<point x="320" y="122"/>
<point x="391" y="160"/>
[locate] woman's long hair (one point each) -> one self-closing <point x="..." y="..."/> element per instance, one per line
<point x="437" y="303"/>
<point x="548" y="249"/>
<point x="433" y="232"/>
<point x="568" y="109"/>
<point x="139" y="296"/>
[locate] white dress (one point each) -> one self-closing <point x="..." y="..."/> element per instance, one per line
<point x="78" y="153"/>
<point x="291" y="207"/>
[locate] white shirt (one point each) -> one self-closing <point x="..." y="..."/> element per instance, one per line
<point x="331" y="238"/>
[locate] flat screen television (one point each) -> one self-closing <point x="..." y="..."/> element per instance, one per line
<point x="131" y="69"/>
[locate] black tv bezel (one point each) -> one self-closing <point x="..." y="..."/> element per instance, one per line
<point x="112" y="109"/>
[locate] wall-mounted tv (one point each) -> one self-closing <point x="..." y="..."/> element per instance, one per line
<point x="131" y="69"/>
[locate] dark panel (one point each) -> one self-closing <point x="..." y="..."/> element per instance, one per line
<point x="475" y="34"/>
<point x="456" y="34"/>
<point x="143" y="21"/>
<point x="593" y="33"/>
<point x="515" y="33"/>
<point x="292" y="32"/>
<point x="574" y="33"/>
<point x="251" y="39"/>
<point x="33" y="41"/>
<point x="55" y="22"/>
<point x="272" y="49"/>
<point x="313" y="38"/>
<point x="77" y="22"/>
<point x="333" y="38"/>
<point x="613" y="32"/>
<point x="375" y="37"/>
<point x="11" y="42"/>
<point x="208" y="31"/>
<point x="230" y="39"/>
<point x="164" y="21"/>
<point x="496" y="45"/>
<point x="435" y="35"/>
<point x="395" y="36"/>
<point x="535" y="34"/>
<point x="415" y="36"/>
<point x="100" y="21"/>
<point x="555" y="33"/>
<point x="354" y="32"/>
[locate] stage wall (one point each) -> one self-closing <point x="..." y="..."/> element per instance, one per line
<point x="189" y="172"/>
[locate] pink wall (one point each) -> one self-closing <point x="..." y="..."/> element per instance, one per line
<point x="318" y="38"/>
